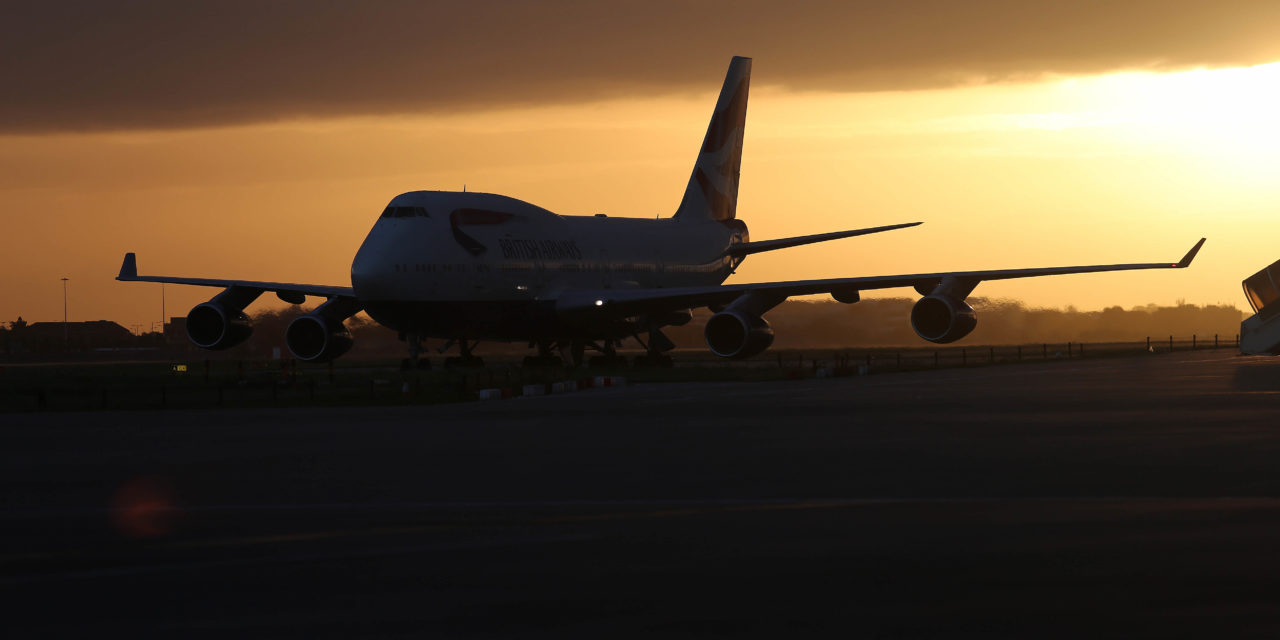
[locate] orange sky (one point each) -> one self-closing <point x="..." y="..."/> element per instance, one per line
<point x="1039" y="169"/>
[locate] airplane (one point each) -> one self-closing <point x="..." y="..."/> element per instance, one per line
<point x="1260" y="332"/>
<point x="468" y="267"/>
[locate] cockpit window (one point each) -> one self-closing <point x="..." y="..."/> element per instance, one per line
<point x="1260" y="288"/>
<point x="405" y="212"/>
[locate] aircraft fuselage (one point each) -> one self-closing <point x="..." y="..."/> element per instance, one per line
<point x="457" y="264"/>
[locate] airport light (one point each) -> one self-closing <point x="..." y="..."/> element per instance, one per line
<point x="66" y="333"/>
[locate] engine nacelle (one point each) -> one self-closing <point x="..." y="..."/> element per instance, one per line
<point x="678" y="318"/>
<point x="314" y="338"/>
<point x="213" y="325"/>
<point x="733" y="334"/>
<point x="942" y="319"/>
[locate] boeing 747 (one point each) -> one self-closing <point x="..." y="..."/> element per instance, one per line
<point x="468" y="267"/>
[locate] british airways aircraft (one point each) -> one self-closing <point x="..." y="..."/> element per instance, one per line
<point x="468" y="267"/>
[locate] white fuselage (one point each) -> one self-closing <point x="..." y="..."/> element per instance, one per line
<point x="440" y="263"/>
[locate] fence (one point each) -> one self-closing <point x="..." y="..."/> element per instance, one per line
<point x="879" y="360"/>
<point x="213" y="384"/>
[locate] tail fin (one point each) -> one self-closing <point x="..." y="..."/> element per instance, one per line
<point x="712" y="193"/>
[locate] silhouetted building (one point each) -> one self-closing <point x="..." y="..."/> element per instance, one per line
<point x="175" y="332"/>
<point x="46" y="337"/>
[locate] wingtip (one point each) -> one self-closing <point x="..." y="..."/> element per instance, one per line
<point x="903" y="225"/>
<point x="1186" y="260"/>
<point x="129" y="268"/>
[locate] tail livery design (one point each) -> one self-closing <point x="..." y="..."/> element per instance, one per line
<point x="712" y="192"/>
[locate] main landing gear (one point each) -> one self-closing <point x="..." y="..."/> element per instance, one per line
<point x="415" y="360"/>
<point x="655" y="351"/>
<point x="466" y="360"/>
<point x="546" y="358"/>
<point x="608" y="358"/>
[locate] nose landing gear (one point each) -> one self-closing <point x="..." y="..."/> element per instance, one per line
<point x="414" y="342"/>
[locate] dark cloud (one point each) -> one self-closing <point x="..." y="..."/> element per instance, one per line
<point x="98" y="65"/>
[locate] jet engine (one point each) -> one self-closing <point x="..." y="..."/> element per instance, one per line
<point x="214" y="325"/>
<point x="942" y="319"/>
<point x="734" y="334"/>
<point x="315" y="338"/>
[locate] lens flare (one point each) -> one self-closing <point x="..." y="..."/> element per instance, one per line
<point x="143" y="507"/>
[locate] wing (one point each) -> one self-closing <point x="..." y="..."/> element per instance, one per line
<point x="628" y="302"/>
<point x="289" y="292"/>
<point x="747" y="248"/>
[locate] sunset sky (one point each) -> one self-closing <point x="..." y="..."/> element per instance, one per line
<point x="261" y="140"/>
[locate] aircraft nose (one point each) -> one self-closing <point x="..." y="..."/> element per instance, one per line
<point x="372" y="271"/>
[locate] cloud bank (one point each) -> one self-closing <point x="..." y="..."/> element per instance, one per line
<point x="77" y="66"/>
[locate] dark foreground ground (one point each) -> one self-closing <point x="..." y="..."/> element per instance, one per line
<point x="1121" y="497"/>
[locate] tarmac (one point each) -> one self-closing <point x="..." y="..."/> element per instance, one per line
<point x="1111" y="497"/>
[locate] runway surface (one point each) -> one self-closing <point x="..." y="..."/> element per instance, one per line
<point x="1111" y="497"/>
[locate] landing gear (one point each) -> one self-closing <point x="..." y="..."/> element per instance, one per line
<point x="414" y="343"/>
<point x="546" y="358"/>
<point x="609" y="358"/>
<point x="576" y="352"/>
<point x="466" y="360"/>
<point x="655" y="355"/>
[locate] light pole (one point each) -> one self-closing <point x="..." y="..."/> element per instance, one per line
<point x="66" y="335"/>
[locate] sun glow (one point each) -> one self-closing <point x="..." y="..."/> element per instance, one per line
<point x="1133" y="165"/>
<point x="1232" y="115"/>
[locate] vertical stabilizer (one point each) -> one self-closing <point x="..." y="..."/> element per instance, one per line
<point x="712" y="193"/>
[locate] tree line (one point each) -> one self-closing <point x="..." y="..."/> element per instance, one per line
<point x="798" y="324"/>
<point x="877" y="322"/>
